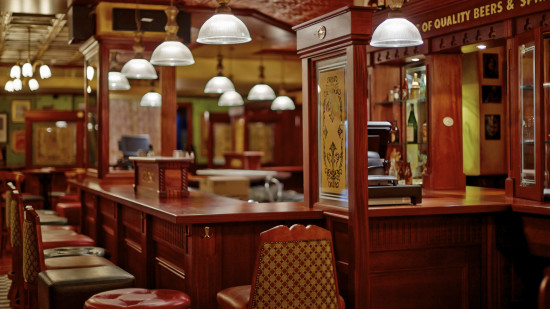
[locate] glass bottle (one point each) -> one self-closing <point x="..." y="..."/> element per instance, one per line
<point x="396" y="93"/>
<point x="424" y="132"/>
<point x="394" y="137"/>
<point x="415" y="87"/>
<point x="412" y="126"/>
<point x="405" y="90"/>
<point x="407" y="174"/>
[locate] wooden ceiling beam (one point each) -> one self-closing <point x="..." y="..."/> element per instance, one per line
<point x="55" y="29"/>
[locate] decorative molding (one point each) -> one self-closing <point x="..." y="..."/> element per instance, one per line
<point x="175" y="270"/>
<point x="170" y="233"/>
<point x="399" y="53"/>
<point x="470" y="36"/>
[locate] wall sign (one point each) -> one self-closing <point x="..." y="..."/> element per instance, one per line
<point x="469" y="14"/>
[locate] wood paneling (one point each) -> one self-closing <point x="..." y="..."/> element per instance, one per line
<point x="445" y="101"/>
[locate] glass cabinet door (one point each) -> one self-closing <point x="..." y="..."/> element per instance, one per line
<point x="527" y="111"/>
<point x="546" y="98"/>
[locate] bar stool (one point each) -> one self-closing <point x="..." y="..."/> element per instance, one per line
<point x="137" y="298"/>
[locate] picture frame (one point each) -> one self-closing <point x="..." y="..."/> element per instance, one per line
<point x="492" y="127"/>
<point x="3" y="127"/>
<point x="18" y="108"/>
<point x="491" y="66"/>
<point x="491" y="94"/>
<point x="17" y="141"/>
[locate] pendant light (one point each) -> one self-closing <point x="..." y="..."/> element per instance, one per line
<point x="117" y="81"/>
<point x="261" y="91"/>
<point x="138" y="68"/>
<point x="219" y="83"/>
<point x="9" y="86"/>
<point x="172" y="52"/>
<point x="151" y="98"/>
<point x="282" y="102"/>
<point x="230" y="98"/>
<point x="396" y="31"/>
<point x="223" y="28"/>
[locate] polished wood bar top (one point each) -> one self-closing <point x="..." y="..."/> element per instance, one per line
<point x="200" y="207"/>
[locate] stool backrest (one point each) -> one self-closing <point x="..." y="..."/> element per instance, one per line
<point x="33" y="254"/>
<point x="295" y="268"/>
<point x="13" y="177"/>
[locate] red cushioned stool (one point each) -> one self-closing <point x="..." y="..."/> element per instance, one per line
<point x="136" y="298"/>
<point x="69" y="210"/>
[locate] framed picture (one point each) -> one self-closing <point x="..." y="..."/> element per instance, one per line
<point x="491" y="94"/>
<point x="490" y="66"/>
<point x="17" y="141"/>
<point x="3" y="127"/>
<point x="492" y="127"/>
<point x="18" y="108"/>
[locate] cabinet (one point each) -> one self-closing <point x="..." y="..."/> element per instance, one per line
<point x="530" y="139"/>
<point x="438" y="112"/>
<point x="409" y="142"/>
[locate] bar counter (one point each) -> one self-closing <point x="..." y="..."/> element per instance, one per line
<point x="456" y="240"/>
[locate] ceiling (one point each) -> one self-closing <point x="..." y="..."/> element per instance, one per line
<point x="38" y="29"/>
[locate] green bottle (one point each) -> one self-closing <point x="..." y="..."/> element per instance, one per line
<point x="412" y="127"/>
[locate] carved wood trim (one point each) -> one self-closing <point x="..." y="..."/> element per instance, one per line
<point x="407" y="233"/>
<point x="170" y="233"/>
<point x="133" y="245"/>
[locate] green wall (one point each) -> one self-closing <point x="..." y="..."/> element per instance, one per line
<point x="38" y="102"/>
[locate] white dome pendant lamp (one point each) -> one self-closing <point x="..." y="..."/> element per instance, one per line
<point x="138" y="68"/>
<point x="396" y="31"/>
<point x="223" y="28"/>
<point x="261" y="91"/>
<point x="219" y="83"/>
<point x="282" y="102"/>
<point x="172" y="52"/>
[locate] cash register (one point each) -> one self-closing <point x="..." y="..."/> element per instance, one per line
<point x="383" y="188"/>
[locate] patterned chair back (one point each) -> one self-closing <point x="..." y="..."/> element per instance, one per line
<point x="295" y="268"/>
<point x="33" y="255"/>
<point x="15" y="220"/>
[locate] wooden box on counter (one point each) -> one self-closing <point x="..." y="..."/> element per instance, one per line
<point x="161" y="176"/>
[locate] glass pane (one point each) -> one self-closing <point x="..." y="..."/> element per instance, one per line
<point x="332" y="130"/>
<point x="527" y="97"/>
<point x="54" y="144"/>
<point x="92" y="110"/>
<point x="223" y="141"/>
<point x="416" y="127"/>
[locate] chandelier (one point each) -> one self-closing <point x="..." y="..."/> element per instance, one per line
<point x="23" y="73"/>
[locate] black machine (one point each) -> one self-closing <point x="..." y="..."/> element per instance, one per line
<point x="383" y="189"/>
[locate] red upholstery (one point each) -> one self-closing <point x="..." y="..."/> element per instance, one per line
<point x="69" y="210"/>
<point x="139" y="299"/>
<point x="52" y="241"/>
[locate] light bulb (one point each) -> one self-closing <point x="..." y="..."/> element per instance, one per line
<point x="33" y="84"/>
<point x="15" y="71"/>
<point x="45" y="71"/>
<point x="27" y="69"/>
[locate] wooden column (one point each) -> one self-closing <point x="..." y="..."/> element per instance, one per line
<point x="168" y="125"/>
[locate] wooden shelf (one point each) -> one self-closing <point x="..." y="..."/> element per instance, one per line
<point x="414" y="101"/>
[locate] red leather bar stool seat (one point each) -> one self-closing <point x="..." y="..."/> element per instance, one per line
<point x="57" y="227"/>
<point x="136" y="298"/>
<point x="69" y="210"/>
<point x="75" y="261"/>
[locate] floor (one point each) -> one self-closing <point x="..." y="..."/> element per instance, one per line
<point x="5" y="267"/>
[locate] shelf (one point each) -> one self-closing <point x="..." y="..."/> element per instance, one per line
<point x="414" y="101"/>
<point x="401" y="144"/>
<point x="527" y="87"/>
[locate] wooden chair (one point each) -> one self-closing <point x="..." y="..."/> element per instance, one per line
<point x="544" y="290"/>
<point x="294" y="268"/>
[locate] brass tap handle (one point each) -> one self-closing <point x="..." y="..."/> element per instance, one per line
<point x="207" y="233"/>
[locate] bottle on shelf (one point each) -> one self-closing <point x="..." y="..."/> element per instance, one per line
<point x="394" y="135"/>
<point x="407" y="174"/>
<point x="415" y="87"/>
<point x="390" y="96"/>
<point x="412" y="127"/>
<point x="422" y="86"/>
<point x="405" y="90"/>
<point x="396" y="93"/>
